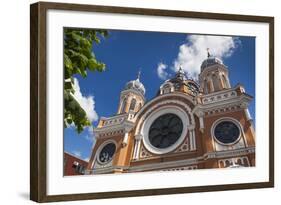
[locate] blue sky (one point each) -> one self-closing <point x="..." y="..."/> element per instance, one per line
<point x="157" y="55"/>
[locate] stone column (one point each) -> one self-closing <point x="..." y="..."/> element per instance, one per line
<point x="192" y="140"/>
<point x="138" y="138"/>
<point x="246" y="110"/>
<point x="125" y="139"/>
<point x="127" y="129"/>
<point x="223" y="85"/>
<point x="200" y="114"/>
<point x="211" y="85"/>
<point x="219" y="81"/>
<point x="228" y="82"/>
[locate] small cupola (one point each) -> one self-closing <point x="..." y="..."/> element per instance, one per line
<point x="214" y="75"/>
<point x="132" y="97"/>
<point x="136" y="85"/>
<point x="180" y="83"/>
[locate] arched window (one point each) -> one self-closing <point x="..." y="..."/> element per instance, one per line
<point x="205" y="87"/>
<point x="209" y="86"/>
<point x="245" y="162"/>
<point x="140" y="105"/>
<point x="124" y="105"/>
<point x="133" y="104"/>
<point x="239" y="161"/>
<point x="227" y="163"/>
<point x="216" y="82"/>
<point x="225" y="81"/>
<point x="166" y="89"/>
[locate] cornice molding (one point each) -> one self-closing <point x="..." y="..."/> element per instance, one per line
<point x="178" y="163"/>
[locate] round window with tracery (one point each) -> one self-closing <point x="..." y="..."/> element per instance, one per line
<point x="107" y="153"/>
<point x="165" y="131"/>
<point x="226" y="132"/>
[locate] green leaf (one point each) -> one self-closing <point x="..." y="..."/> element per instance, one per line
<point x="92" y="64"/>
<point x="79" y="58"/>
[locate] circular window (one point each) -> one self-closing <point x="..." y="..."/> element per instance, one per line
<point x="165" y="131"/>
<point x="226" y="132"/>
<point x="107" y="153"/>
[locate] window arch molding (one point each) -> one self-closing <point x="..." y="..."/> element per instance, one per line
<point x="167" y="87"/>
<point x="227" y="119"/>
<point x="100" y="149"/>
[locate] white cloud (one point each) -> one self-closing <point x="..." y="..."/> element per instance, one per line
<point x="77" y="153"/>
<point x="91" y="130"/>
<point x="87" y="103"/>
<point x="89" y="137"/>
<point x="161" y="71"/>
<point x="194" y="51"/>
<point x="87" y="159"/>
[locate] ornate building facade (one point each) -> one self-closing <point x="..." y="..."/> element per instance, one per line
<point x="186" y="126"/>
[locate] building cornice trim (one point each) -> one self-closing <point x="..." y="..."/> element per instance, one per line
<point x="162" y="97"/>
<point x="179" y="163"/>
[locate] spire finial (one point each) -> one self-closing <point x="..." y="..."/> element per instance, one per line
<point x="139" y="73"/>
<point x="208" y="52"/>
<point x="180" y="73"/>
<point x="180" y="69"/>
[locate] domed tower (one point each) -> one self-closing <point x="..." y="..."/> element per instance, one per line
<point x="213" y="76"/>
<point x="114" y="135"/>
<point x="132" y="97"/>
<point x="179" y="84"/>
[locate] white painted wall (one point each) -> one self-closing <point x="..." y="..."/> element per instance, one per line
<point x="14" y="104"/>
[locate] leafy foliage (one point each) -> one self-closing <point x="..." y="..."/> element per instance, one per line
<point x="78" y="59"/>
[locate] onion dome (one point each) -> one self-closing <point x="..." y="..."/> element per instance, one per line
<point x="135" y="85"/>
<point x="211" y="60"/>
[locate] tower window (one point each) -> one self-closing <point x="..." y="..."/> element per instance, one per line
<point x="133" y="104"/>
<point x="140" y="105"/>
<point x="209" y="86"/>
<point x="216" y="82"/>
<point x="124" y="105"/>
<point x="225" y="81"/>
<point x="205" y="87"/>
<point x="166" y="89"/>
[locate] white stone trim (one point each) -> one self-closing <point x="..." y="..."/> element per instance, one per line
<point x="184" y="147"/>
<point x="186" y="162"/>
<point x="135" y="149"/>
<point x="177" y="94"/>
<point x="215" y="67"/>
<point x="115" y="125"/>
<point x="181" y="168"/>
<point x="201" y="122"/>
<point x="125" y="139"/>
<point x="137" y="146"/>
<point x="127" y="92"/>
<point x="234" y="161"/>
<point x="192" y="139"/>
<point x="157" y="113"/>
<point x="163" y="89"/>
<point x="191" y="144"/>
<point x="164" y="102"/>
<point x="236" y="101"/>
<point x="248" y="115"/>
<point x="219" y="97"/>
<point x="193" y="161"/>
